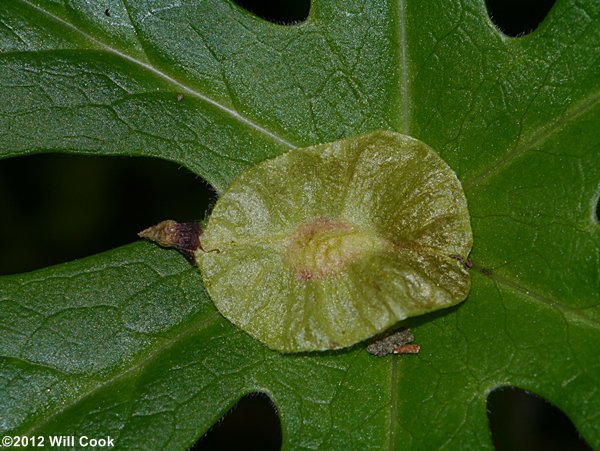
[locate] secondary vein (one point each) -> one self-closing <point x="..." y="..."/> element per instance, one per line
<point x="184" y="88"/>
<point x="540" y="136"/>
<point x="573" y="314"/>
<point x="202" y="322"/>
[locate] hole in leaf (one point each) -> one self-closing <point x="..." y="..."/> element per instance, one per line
<point x="282" y="12"/>
<point x="518" y="17"/>
<point x="520" y="420"/>
<point x="56" y="208"/>
<point x="597" y="211"/>
<point x="252" y="424"/>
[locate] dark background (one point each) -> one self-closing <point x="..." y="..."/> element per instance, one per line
<point x="56" y="208"/>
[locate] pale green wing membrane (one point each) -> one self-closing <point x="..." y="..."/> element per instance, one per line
<point x="323" y="247"/>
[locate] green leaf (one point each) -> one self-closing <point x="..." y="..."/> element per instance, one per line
<point x="127" y="344"/>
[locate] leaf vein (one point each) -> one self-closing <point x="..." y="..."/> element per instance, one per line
<point x="202" y="322"/>
<point x="404" y="89"/>
<point x="394" y="376"/>
<point x="539" y="137"/>
<point x="571" y="313"/>
<point x="187" y="89"/>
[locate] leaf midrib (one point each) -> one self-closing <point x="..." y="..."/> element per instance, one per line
<point x="168" y="78"/>
<point x="394" y="381"/>
<point x="405" y="127"/>
<point x="404" y="82"/>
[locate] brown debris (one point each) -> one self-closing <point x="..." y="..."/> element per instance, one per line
<point x="407" y="349"/>
<point x="396" y="342"/>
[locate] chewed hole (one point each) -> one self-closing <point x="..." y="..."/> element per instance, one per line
<point x="518" y="17"/>
<point x="597" y="210"/>
<point x="56" y="208"/>
<point x="520" y="420"/>
<point x="282" y="12"/>
<point x="252" y="424"/>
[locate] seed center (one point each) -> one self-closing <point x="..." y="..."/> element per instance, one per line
<point x="325" y="246"/>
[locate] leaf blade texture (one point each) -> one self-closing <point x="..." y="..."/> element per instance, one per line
<point x="516" y="119"/>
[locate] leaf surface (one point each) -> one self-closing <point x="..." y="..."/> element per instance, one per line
<point x="127" y="344"/>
